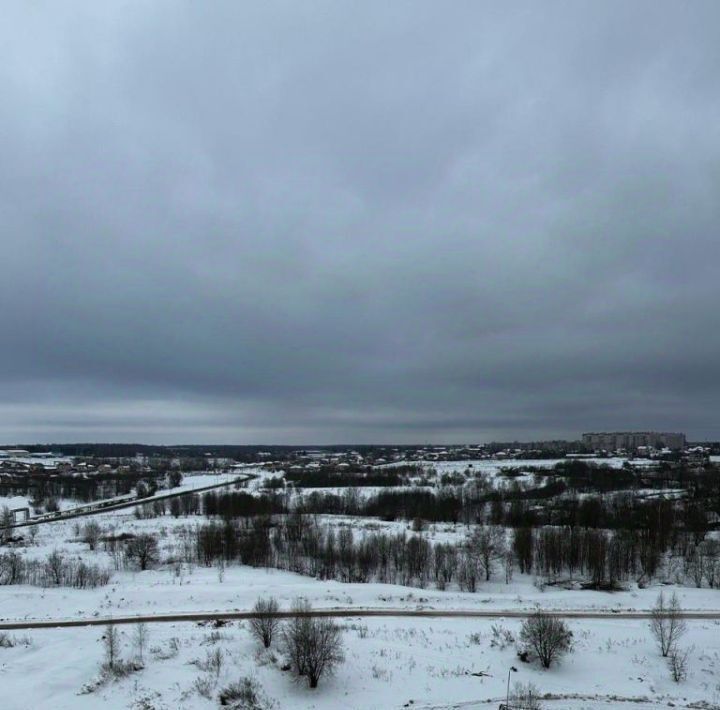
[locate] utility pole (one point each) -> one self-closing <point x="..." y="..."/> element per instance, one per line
<point x="507" y="695"/>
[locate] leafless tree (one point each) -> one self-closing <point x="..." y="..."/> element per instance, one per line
<point x="696" y="568"/>
<point x="711" y="553"/>
<point x="547" y="635"/>
<point x="487" y="545"/>
<point x="313" y="644"/>
<point x="265" y="624"/>
<point x="293" y="631"/>
<point x="111" y="641"/>
<point x="509" y="566"/>
<point x="55" y="568"/>
<point x="91" y="534"/>
<point x="140" y="637"/>
<point x="11" y="568"/>
<point x="142" y="551"/>
<point x="6" y="520"/>
<point x="322" y="648"/>
<point x="667" y="624"/>
<point x="678" y="663"/>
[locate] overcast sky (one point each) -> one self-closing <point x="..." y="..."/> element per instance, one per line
<point x="335" y="222"/>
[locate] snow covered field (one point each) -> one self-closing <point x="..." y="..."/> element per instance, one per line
<point x="494" y="466"/>
<point x="390" y="661"/>
<point x="438" y="663"/>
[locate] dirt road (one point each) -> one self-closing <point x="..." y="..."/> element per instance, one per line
<point x="18" y="624"/>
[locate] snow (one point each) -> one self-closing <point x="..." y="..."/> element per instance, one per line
<point x="190" y="482"/>
<point x="390" y="661"/>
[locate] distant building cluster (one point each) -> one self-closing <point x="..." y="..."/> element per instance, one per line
<point x="612" y="441"/>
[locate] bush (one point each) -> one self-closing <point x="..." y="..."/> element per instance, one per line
<point x="525" y="697"/>
<point x="174" y="479"/>
<point x="142" y="551"/>
<point x="91" y="534"/>
<point x="264" y="625"/>
<point x="54" y="571"/>
<point x="667" y="624"/>
<point x="501" y="637"/>
<point x="547" y="636"/>
<point x="246" y="694"/>
<point x="52" y="505"/>
<point x="204" y="685"/>
<point x="678" y="664"/>
<point x="314" y="645"/>
<point x="212" y="663"/>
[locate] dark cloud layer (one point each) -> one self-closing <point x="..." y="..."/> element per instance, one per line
<point x="352" y="222"/>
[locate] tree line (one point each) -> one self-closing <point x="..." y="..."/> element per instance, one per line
<point x="599" y="559"/>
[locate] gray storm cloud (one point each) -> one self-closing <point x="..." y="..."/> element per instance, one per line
<point x="358" y="222"/>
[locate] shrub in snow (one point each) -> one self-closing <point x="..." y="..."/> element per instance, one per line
<point x="54" y="571"/>
<point x="666" y="623"/>
<point x="246" y="694"/>
<point x="314" y="645"/>
<point x="170" y="651"/>
<point x="547" y="636"/>
<point x="7" y="641"/>
<point x="264" y="625"/>
<point x="205" y="685"/>
<point x="91" y="534"/>
<point x="12" y="568"/>
<point x="140" y="637"/>
<point x="678" y="663"/>
<point x="501" y="638"/>
<point x="6" y="520"/>
<point x="212" y="663"/>
<point x="525" y="697"/>
<point x="113" y="665"/>
<point x="142" y="551"/>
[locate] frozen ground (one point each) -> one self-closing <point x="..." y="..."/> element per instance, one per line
<point x="389" y="663"/>
<point x="183" y="588"/>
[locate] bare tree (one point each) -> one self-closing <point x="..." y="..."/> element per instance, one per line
<point x="111" y="641"/>
<point x="12" y="567"/>
<point x="313" y="644"/>
<point x="695" y="566"/>
<point x="6" y="520"/>
<point x="487" y="545"/>
<point x="667" y="624"/>
<point x="264" y="625"/>
<point x="91" y="534"/>
<point x="55" y="568"/>
<point x="174" y="479"/>
<point x="711" y="553"/>
<point x="548" y="636"/>
<point x="140" y="637"/>
<point x="142" y="551"/>
<point x="322" y="648"/>
<point x="293" y="631"/>
<point x="678" y="663"/>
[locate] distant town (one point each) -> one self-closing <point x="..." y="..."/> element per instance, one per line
<point x="99" y="459"/>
